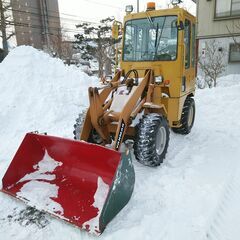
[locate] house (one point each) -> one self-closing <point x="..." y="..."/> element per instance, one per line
<point x="219" y="20"/>
<point x="37" y="22"/>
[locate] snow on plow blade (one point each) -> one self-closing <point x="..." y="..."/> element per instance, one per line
<point x="82" y="183"/>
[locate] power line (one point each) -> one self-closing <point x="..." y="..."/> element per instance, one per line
<point x="64" y="20"/>
<point x="57" y="12"/>
<point x="50" y="16"/>
<point x="27" y="25"/>
<point x="34" y="14"/>
<point x="102" y="4"/>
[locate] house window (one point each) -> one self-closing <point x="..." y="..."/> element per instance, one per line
<point x="234" y="52"/>
<point x="227" y="8"/>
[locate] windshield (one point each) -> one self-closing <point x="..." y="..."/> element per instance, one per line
<point x="151" y="39"/>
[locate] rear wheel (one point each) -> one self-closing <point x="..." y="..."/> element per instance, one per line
<point x="187" y="118"/>
<point x="94" y="136"/>
<point x="79" y="125"/>
<point x="151" y="141"/>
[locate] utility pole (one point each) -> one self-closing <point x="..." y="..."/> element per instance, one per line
<point x="3" y="29"/>
<point x="138" y="6"/>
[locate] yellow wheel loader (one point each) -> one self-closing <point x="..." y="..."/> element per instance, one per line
<point x="88" y="182"/>
<point x="153" y="89"/>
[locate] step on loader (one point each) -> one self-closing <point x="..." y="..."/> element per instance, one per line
<point x="87" y="181"/>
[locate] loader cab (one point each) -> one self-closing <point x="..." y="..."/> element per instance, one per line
<point x="151" y="40"/>
<point x="162" y="40"/>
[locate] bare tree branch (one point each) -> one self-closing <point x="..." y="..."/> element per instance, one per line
<point x="10" y="35"/>
<point x="5" y="23"/>
<point x="212" y="63"/>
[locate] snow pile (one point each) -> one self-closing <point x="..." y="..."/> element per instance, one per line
<point x="43" y="169"/>
<point x="38" y="93"/>
<point x="39" y="193"/>
<point x="99" y="200"/>
<point x="194" y="194"/>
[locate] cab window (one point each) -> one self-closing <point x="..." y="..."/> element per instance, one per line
<point x="187" y="41"/>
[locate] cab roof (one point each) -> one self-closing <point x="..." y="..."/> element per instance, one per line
<point x="161" y="12"/>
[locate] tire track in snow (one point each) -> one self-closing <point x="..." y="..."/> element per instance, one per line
<point x="223" y="225"/>
<point x="144" y="178"/>
<point x="178" y="158"/>
<point x="178" y="146"/>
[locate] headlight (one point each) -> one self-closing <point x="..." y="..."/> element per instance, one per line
<point x="129" y="8"/>
<point x="176" y="2"/>
<point x="158" y="79"/>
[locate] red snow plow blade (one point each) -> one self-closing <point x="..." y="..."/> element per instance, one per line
<point x="82" y="183"/>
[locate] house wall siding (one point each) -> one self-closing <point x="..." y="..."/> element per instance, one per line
<point x="220" y="30"/>
<point x="209" y="26"/>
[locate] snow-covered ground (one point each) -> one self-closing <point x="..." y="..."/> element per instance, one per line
<point x="194" y="194"/>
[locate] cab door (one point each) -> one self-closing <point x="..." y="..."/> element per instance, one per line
<point x="189" y="71"/>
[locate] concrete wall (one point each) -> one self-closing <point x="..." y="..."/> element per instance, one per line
<point x="32" y="24"/>
<point x="54" y="20"/>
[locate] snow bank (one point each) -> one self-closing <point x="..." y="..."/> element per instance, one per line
<point x="38" y="92"/>
<point x="99" y="199"/>
<point x="224" y="81"/>
<point x="229" y="81"/>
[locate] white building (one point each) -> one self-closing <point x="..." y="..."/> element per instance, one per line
<point x="220" y="20"/>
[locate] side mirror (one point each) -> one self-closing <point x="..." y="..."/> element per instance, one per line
<point x="116" y="27"/>
<point x="116" y="30"/>
<point x="180" y="25"/>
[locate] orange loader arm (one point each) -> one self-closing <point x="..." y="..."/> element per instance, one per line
<point x="100" y="117"/>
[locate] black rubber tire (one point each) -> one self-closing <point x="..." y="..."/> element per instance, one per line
<point x="145" y="147"/>
<point x="79" y="125"/>
<point x="185" y="126"/>
<point x="93" y="138"/>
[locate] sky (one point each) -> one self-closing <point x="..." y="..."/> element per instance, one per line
<point x="74" y="11"/>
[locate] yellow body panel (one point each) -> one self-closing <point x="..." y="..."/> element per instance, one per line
<point x="162" y="88"/>
<point x="174" y="71"/>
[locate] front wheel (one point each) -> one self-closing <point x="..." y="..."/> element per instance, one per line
<point x="151" y="140"/>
